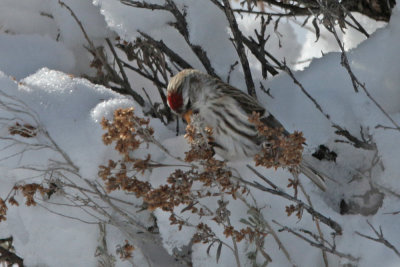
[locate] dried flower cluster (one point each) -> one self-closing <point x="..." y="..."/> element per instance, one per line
<point x="125" y="251"/>
<point x="207" y="178"/>
<point x="127" y="130"/>
<point x="245" y="233"/>
<point x="215" y="172"/>
<point x="28" y="191"/>
<point x="178" y="191"/>
<point x="200" y="148"/>
<point x="292" y="209"/>
<point x="279" y="149"/>
<point x="25" y="130"/>
<point x="204" y="234"/>
<point x="115" y="177"/>
<point x="3" y="210"/>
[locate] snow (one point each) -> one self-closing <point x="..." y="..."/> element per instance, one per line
<point x="126" y="21"/>
<point x="26" y="21"/>
<point x="326" y="43"/>
<point x="282" y="43"/>
<point x="42" y="238"/>
<point x="42" y="57"/>
<point x="20" y="60"/>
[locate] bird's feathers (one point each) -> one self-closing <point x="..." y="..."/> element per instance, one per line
<point x="226" y="110"/>
<point x="246" y="102"/>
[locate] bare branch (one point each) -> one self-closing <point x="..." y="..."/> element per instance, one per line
<point x="237" y="39"/>
<point x="327" y="221"/>
<point x="182" y="27"/>
<point x="345" y="63"/>
<point x="174" y="57"/>
<point x="126" y="83"/>
<point x="330" y="249"/>
<point x="379" y="10"/>
<point x="379" y="238"/>
<point x="321" y="235"/>
<point x="100" y="56"/>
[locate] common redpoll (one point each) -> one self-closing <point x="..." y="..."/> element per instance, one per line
<point x="226" y="111"/>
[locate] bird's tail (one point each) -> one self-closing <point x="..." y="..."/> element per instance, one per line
<point x="317" y="177"/>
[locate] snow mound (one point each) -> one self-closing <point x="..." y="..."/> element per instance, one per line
<point x="22" y="55"/>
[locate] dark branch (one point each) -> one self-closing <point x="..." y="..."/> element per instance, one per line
<point x="126" y="83"/>
<point x="181" y="25"/>
<point x="237" y="36"/>
<point x="167" y="51"/>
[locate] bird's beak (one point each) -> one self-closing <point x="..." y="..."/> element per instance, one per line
<point x="187" y="116"/>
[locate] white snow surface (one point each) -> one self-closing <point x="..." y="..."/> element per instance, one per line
<point x="36" y="70"/>
<point x="22" y="55"/>
<point x="30" y="24"/>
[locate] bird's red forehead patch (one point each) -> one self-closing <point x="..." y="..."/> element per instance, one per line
<point x="175" y="101"/>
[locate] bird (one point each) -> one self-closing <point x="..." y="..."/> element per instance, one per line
<point x="226" y="110"/>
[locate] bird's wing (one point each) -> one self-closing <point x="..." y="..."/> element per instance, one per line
<point x="246" y="102"/>
<point x="249" y="104"/>
<point x="272" y="122"/>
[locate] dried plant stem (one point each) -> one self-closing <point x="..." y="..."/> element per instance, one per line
<point x="66" y="216"/>
<point x="331" y="250"/>
<point x="235" y="247"/>
<point x="279" y="242"/>
<point x="228" y="221"/>
<point x="379" y="238"/>
<point x="324" y="256"/>
<point x="240" y="48"/>
<point x="327" y="221"/>
<point x="124" y="81"/>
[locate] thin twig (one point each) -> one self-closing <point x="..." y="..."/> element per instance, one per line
<point x="181" y="25"/>
<point x="167" y="51"/>
<point x="262" y="177"/>
<point x="240" y="48"/>
<point x="316" y="220"/>
<point x="96" y="52"/>
<point x="331" y="250"/>
<point x="379" y="238"/>
<point x="345" y="63"/>
<point x="126" y="82"/>
<point x="327" y="221"/>
<point x="279" y="242"/>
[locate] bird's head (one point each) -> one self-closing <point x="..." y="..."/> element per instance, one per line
<point x="180" y="92"/>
